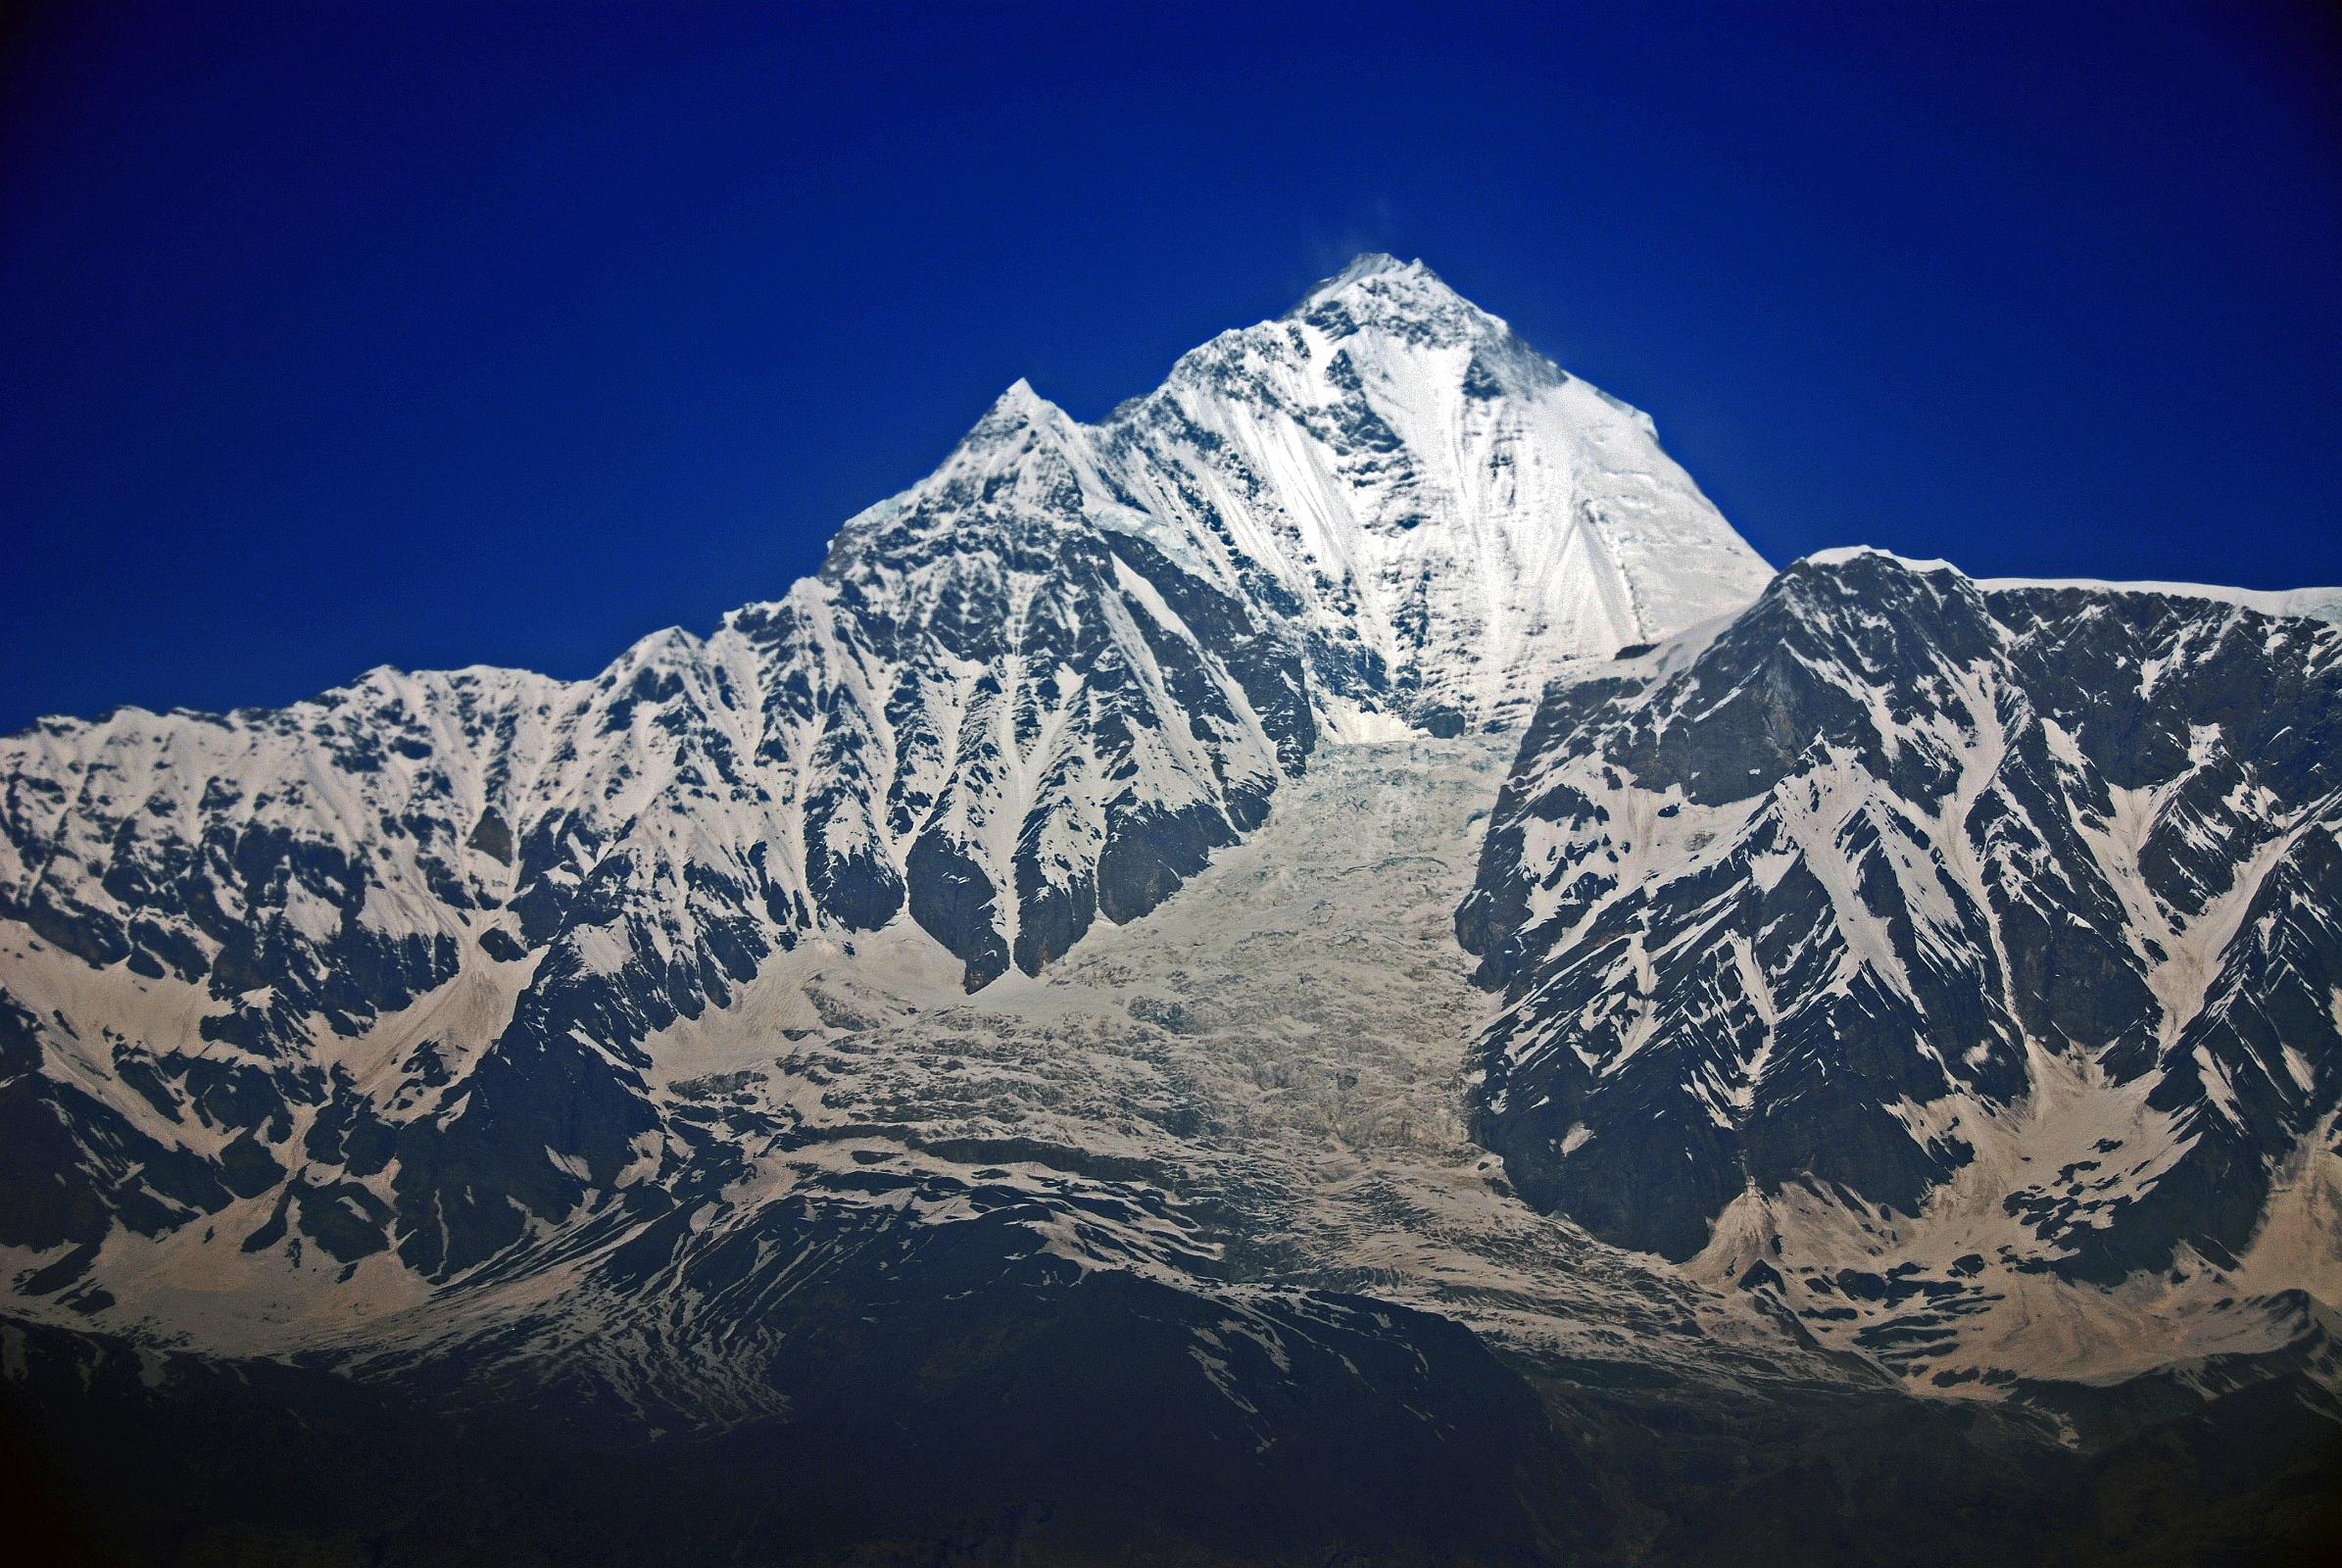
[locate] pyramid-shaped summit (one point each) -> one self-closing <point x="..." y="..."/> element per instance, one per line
<point x="1442" y="516"/>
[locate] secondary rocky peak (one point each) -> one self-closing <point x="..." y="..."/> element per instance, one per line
<point x="1014" y="411"/>
<point x="1019" y="402"/>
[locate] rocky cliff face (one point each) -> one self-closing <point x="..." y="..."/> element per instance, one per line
<point x="1913" y="945"/>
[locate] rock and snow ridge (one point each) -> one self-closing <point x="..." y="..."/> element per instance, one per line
<point x="1959" y="961"/>
<point x="2321" y="604"/>
<point x="603" y="1025"/>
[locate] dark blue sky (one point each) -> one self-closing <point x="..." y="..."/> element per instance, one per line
<point x="335" y="335"/>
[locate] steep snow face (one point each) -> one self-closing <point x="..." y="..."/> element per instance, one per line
<point x="1954" y="959"/>
<point x="397" y="956"/>
<point x="1448" y="515"/>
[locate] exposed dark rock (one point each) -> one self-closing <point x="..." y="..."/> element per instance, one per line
<point x="1902" y="878"/>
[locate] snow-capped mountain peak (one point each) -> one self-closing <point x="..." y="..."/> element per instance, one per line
<point x="1363" y="265"/>
<point x="353" y="953"/>
<point x="1942" y="972"/>
<point x="1382" y="291"/>
<point x="1019" y="408"/>
<point x="1454" y="517"/>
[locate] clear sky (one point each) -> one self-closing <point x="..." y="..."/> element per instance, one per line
<point x="356" y="333"/>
